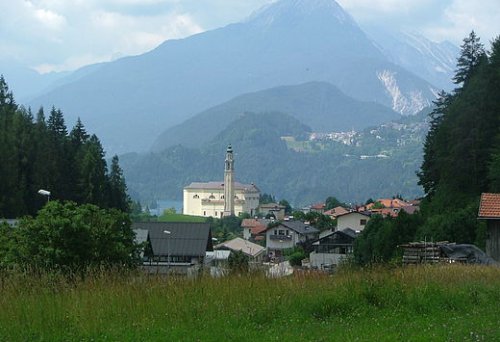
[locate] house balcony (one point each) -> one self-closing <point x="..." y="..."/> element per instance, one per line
<point x="281" y="237"/>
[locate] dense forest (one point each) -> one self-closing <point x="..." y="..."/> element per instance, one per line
<point x="39" y="153"/>
<point x="461" y="161"/>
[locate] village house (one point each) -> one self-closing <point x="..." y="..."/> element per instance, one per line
<point x="254" y="252"/>
<point x="253" y="229"/>
<point x="288" y="234"/>
<point x="353" y="220"/>
<point x="335" y="212"/>
<point x="388" y="207"/>
<point x="218" y="199"/>
<point x="174" y="247"/>
<point x="318" y="208"/>
<point x="332" y="248"/>
<point x="273" y="209"/>
<point x="489" y="210"/>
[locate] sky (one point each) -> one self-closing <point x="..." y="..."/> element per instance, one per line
<point x="62" y="35"/>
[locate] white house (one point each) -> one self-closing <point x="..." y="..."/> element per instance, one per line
<point x="287" y="235"/>
<point x="353" y="220"/>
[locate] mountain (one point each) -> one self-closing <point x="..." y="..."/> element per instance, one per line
<point x="25" y="82"/>
<point x="129" y="102"/>
<point x="433" y="61"/>
<point x="274" y="151"/>
<point x="323" y="106"/>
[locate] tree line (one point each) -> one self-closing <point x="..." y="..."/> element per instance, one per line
<point x="38" y="152"/>
<point x="461" y="160"/>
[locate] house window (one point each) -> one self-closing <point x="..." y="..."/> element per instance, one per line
<point x="204" y="213"/>
<point x="275" y="232"/>
<point x="196" y="196"/>
<point x="287" y="232"/>
<point x="281" y="232"/>
<point x="222" y="197"/>
<point x="215" y="213"/>
<point x="362" y="222"/>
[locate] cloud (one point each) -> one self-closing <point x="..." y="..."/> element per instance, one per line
<point x="437" y="19"/>
<point x="463" y="16"/>
<point x="55" y="35"/>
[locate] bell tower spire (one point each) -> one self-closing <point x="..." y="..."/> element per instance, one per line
<point x="229" y="183"/>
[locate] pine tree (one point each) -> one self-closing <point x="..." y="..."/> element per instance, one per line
<point x="93" y="174"/>
<point x="429" y="174"/>
<point x="472" y="52"/>
<point x="118" y="197"/>
<point x="8" y="160"/>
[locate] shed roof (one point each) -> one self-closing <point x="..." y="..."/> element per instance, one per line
<point x="240" y="244"/>
<point x="490" y="206"/>
<point x="184" y="239"/>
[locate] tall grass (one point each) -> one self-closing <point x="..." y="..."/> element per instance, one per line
<point x="441" y="303"/>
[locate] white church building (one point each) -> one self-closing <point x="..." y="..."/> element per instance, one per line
<point x="218" y="199"/>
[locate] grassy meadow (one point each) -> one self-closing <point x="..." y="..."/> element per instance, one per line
<point x="441" y="303"/>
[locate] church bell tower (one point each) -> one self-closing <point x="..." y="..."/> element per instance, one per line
<point x="229" y="183"/>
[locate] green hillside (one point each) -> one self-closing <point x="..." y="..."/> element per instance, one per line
<point x="319" y="104"/>
<point x="264" y="156"/>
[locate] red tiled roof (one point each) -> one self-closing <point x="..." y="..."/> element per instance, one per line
<point x="318" y="206"/>
<point x="336" y="211"/>
<point x="248" y="223"/>
<point x="256" y="227"/>
<point x="490" y="206"/>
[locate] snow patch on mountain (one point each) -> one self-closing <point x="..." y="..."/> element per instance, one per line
<point x="408" y="103"/>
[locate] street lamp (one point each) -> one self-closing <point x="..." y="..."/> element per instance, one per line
<point x="45" y="193"/>
<point x="168" y="232"/>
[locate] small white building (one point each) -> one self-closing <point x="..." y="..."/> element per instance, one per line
<point x="353" y="220"/>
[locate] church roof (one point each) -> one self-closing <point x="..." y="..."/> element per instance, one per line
<point x="220" y="186"/>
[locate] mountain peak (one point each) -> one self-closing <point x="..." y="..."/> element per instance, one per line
<point x="294" y="11"/>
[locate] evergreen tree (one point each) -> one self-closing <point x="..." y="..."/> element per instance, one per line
<point x="79" y="135"/>
<point x="8" y="160"/>
<point x="118" y="197"/>
<point x="472" y="51"/>
<point x="429" y="175"/>
<point x="93" y="182"/>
